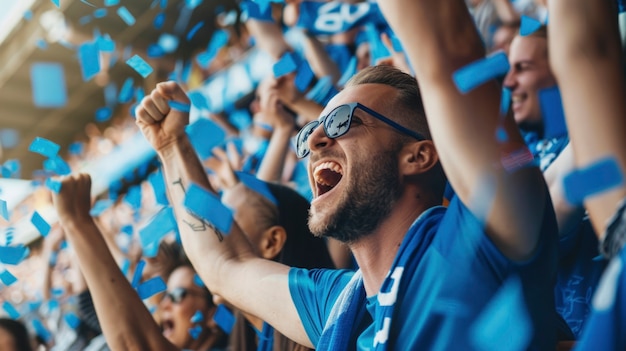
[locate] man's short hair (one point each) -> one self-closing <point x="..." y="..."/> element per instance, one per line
<point x="407" y="107"/>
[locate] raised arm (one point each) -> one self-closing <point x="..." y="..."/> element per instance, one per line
<point x="224" y="261"/>
<point x="125" y="321"/>
<point x="271" y="168"/>
<point x="440" y="37"/>
<point x="584" y="39"/>
<point x="568" y="216"/>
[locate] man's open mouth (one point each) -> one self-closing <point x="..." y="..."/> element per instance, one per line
<point x="327" y="175"/>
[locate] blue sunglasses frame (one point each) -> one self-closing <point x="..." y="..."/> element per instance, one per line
<point x="302" y="149"/>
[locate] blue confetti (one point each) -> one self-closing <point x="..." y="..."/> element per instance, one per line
<point x="44" y="147"/>
<point x="321" y="90"/>
<point x="57" y="165"/>
<point x="100" y="206"/>
<point x="137" y="275"/>
<point x="168" y="42"/>
<point x="10" y="310"/>
<point x="199" y="100"/>
<point x="53" y="305"/>
<point x="195" y="332"/>
<point x="41" y="331"/>
<point x="192" y="4"/>
<point x="224" y="319"/>
<point x="28" y="15"/>
<point x="84" y="20"/>
<point x="151" y="287"/>
<point x="198" y="281"/>
<point x="204" y="135"/>
<point x="553" y="114"/>
<point x="43" y="76"/>
<point x="133" y="197"/>
<point x="304" y="76"/>
<point x="504" y="321"/>
<point x="501" y="135"/>
<point x="57" y="292"/>
<point x="163" y="4"/>
<point x="105" y="44"/>
<point x="349" y="72"/>
<point x="125" y="15"/>
<point x="9" y="138"/>
<point x="158" y="187"/>
<point x="103" y="114"/>
<point x="76" y="148"/>
<point x="505" y="101"/>
<point x="160" y="225"/>
<point x="126" y="93"/>
<point x="197" y="317"/>
<point x="286" y="64"/>
<point x="155" y="51"/>
<point x="109" y="3"/>
<point x="10" y="169"/>
<point x="209" y="207"/>
<point x="159" y="20"/>
<point x="529" y="26"/>
<point x="89" y="58"/>
<point x="42" y="44"/>
<point x="182" y="107"/>
<point x="7" y="278"/>
<point x="53" y="185"/>
<point x="593" y="180"/>
<point x="139" y="65"/>
<point x="42" y="226"/>
<point x="100" y="13"/>
<point x="13" y="255"/>
<point x="218" y="40"/>
<point x="257" y="185"/>
<point x="56" y="3"/>
<point x="72" y="320"/>
<point x="479" y="72"/>
<point x="194" y="30"/>
<point x="4" y="211"/>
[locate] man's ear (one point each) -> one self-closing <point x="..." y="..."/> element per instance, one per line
<point x="272" y="241"/>
<point x="418" y="158"/>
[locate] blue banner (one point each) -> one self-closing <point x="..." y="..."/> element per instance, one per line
<point x="337" y="17"/>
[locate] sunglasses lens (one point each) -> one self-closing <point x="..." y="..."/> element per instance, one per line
<point x="302" y="145"/>
<point x="176" y="295"/>
<point x="338" y="121"/>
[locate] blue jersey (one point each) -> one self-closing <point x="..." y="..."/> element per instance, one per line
<point x="605" y="329"/>
<point x="447" y="272"/>
<point x="579" y="271"/>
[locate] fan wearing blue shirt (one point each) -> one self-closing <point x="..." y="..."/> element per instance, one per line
<point x="430" y="278"/>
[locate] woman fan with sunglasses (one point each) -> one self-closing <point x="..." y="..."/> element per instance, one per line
<point x="186" y="312"/>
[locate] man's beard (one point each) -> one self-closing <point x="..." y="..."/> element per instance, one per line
<point x="366" y="202"/>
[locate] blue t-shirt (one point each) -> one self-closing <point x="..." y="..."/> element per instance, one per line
<point x="605" y="329"/>
<point x="450" y="276"/>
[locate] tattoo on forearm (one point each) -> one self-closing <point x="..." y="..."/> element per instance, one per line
<point x="201" y="224"/>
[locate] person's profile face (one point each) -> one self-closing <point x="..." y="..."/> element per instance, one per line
<point x="529" y="74"/>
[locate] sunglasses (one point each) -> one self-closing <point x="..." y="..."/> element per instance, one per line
<point x="337" y="123"/>
<point x="178" y="294"/>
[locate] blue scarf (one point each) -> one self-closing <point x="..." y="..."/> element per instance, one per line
<point x="349" y="308"/>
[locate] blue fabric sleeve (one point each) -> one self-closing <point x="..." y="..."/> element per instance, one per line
<point x="314" y="293"/>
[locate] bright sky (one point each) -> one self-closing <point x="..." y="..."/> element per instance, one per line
<point x="12" y="12"/>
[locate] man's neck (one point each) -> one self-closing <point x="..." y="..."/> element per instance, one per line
<point x="376" y="252"/>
